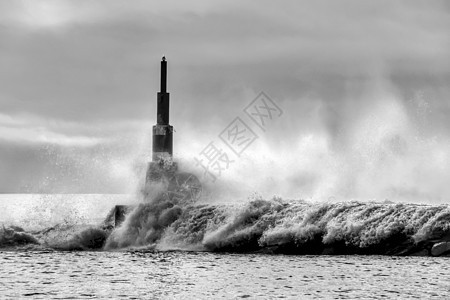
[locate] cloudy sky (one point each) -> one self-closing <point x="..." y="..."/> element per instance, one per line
<point x="364" y="87"/>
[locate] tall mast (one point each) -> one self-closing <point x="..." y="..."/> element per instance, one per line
<point x="163" y="75"/>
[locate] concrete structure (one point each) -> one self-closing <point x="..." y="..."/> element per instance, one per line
<point x="180" y="187"/>
<point x="162" y="131"/>
<point x="162" y="165"/>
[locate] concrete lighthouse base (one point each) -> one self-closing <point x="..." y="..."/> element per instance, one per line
<point x="158" y="170"/>
<point x="177" y="186"/>
<point x="163" y="183"/>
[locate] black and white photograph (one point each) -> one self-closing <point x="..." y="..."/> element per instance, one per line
<point x="213" y="149"/>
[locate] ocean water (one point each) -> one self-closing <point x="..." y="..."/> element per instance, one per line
<point x="60" y="247"/>
<point x="203" y="275"/>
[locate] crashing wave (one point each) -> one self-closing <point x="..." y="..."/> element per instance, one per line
<point x="14" y="236"/>
<point x="293" y="228"/>
<point x="267" y="226"/>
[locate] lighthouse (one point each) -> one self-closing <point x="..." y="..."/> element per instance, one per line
<point x="172" y="185"/>
<point x="162" y="131"/>
<point x="162" y="167"/>
<point x="180" y="186"/>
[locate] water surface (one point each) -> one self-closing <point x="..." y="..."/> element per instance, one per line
<point x="201" y="275"/>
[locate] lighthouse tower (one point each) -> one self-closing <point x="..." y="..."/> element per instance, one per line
<point x="162" y="131"/>
<point x="180" y="187"/>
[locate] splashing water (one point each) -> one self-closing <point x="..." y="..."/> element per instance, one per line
<point x="374" y="146"/>
<point x="269" y="226"/>
<point x="381" y="153"/>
